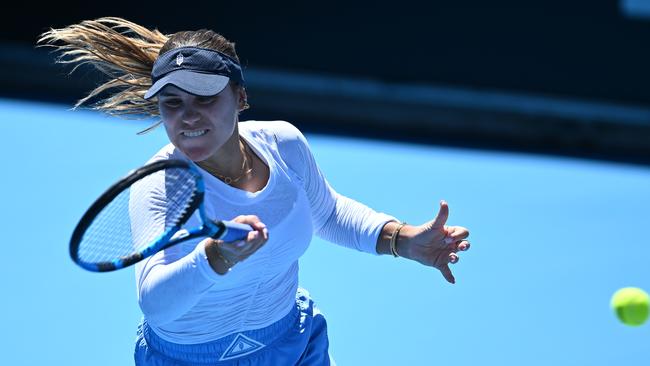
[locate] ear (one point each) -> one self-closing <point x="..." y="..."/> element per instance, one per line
<point x="243" y="98"/>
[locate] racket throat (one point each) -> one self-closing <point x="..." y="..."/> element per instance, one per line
<point x="217" y="229"/>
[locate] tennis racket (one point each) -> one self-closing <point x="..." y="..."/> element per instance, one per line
<point x="118" y="231"/>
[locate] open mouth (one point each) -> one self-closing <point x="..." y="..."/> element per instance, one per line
<point x="196" y="133"/>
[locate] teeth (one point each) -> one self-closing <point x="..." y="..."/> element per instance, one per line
<point x="194" y="133"/>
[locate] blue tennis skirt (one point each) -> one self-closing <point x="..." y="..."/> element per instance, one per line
<point x="300" y="338"/>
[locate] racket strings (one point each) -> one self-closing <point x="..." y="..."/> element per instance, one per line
<point x="138" y="216"/>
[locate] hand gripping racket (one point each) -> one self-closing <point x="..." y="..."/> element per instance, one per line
<point x="118" y="229"/>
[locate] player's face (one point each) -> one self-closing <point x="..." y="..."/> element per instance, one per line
<point x="198" y="126"/>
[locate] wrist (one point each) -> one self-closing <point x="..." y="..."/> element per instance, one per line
<point x="392" y="242"/>
<point x="403" y="241"/>
<point x="383" y="242"/>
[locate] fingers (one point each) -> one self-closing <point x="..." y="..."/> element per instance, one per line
<point x="446" y="273"/>
<point x="258" y="225"/>
<point x="442" y="216"/>
<point x="461" y="246"/>
<point x="455" y="233"/>
<point x="260" y="231"/>
<point x="257" y="236"/>
<point x="251" y="220"/>
<point x="239" y="250"/>
<point x="455" y="238"/>
<point x="442" y="261"/>
<point x="453" y="258"/>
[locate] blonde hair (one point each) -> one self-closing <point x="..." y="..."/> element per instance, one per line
<point x="125" y="52"/>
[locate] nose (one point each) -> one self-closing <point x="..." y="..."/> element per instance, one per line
<point x="190" y="116"/>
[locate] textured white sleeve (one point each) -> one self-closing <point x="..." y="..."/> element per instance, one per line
<point x="336" y="218"/>
<point x="162" y="280"/>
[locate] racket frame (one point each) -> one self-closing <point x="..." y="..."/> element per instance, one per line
<point x="172" y="236"/>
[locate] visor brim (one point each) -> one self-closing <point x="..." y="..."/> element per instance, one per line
<point x="196" y="83"/>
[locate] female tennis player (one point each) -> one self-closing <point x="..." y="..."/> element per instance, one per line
<point x="210" y="302"/>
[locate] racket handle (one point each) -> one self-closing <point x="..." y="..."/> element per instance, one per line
<point x="232" y="231"/>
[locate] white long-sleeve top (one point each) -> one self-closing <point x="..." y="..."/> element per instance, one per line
<point x="186" y="302"/>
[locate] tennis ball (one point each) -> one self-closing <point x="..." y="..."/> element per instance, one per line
<point x="631" y="305"/>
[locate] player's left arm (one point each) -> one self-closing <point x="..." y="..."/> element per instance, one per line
<point x="336" y="218"/>
<point x="344" y="221"/>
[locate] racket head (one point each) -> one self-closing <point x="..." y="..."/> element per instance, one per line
<point x="103" y="239"/>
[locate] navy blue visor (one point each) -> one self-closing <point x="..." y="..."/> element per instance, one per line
<point x="198" y="71"/>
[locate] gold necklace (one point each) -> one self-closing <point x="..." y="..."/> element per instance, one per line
<point x="245" y="168"/>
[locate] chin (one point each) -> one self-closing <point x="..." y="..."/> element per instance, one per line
<point x="195" y="154"/>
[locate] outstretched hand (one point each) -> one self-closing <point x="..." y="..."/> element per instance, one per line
<point x="434" y="244"/>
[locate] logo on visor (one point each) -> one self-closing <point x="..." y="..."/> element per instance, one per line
<point x="179" y="59"/>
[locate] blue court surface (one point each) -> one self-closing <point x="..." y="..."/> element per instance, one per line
<point x="553" y="238"/>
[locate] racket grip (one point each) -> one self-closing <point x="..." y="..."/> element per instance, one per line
<point x="234" y="231"/>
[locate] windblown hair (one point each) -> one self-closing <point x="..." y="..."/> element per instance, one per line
<point x="125" y="52"/>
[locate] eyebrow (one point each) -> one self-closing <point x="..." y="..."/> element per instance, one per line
<point x="167" y="94"/>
